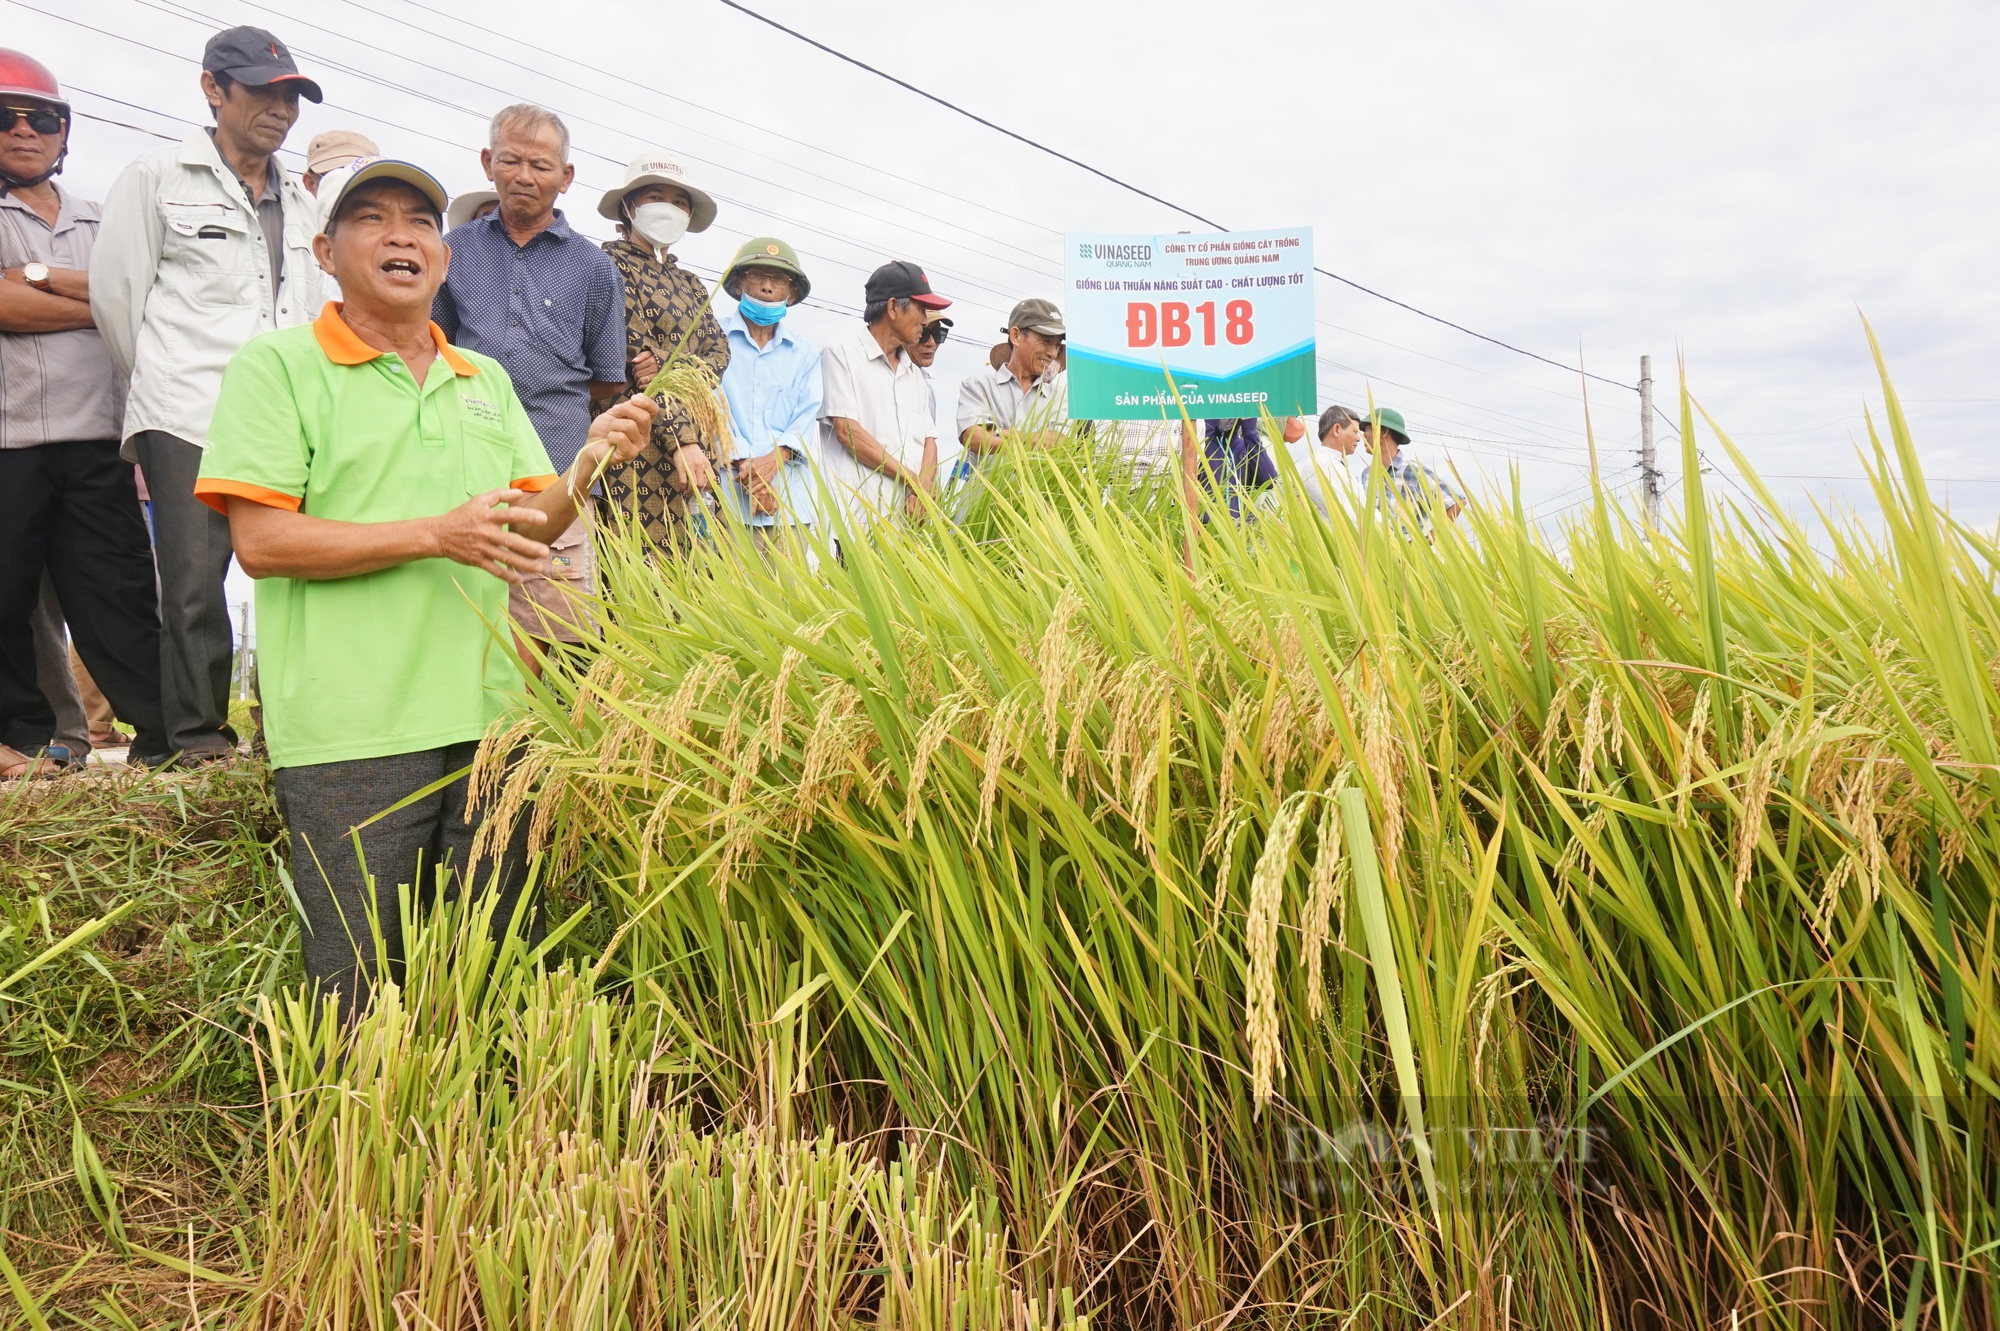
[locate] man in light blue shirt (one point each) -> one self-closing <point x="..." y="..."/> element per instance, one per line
<point x="772" y="387"/>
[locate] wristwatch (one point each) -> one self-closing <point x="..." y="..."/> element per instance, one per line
<point x="36" y="275"/>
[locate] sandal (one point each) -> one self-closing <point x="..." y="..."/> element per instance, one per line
<point x="15" y="765"/>
<point x="65" y="758"/>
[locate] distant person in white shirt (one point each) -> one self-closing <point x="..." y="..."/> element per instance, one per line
<point x="1339" y="434"/>
<point x="878" y="439"/>
<point x="937" y="329"/>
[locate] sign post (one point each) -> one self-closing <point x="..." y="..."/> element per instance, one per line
<point x="1219" y="324"/>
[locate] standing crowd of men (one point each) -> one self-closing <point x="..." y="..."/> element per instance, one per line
<point x="406" y="436"/>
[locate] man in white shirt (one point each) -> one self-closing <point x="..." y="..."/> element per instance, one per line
<point x="937" y="329"/>
<point x="878" y="439"/>
<point x="205" y="244"/>
<point x="1339" y="434"/>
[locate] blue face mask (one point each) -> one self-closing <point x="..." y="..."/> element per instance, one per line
<point x="759" y="313"/>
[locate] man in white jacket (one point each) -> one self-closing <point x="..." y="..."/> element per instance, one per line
<point x="204" y="245"/>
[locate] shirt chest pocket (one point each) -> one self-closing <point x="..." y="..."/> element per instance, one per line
<point x="489" y="459"/>
<point x="205" y="254"/>
<point x="556" y="317"/>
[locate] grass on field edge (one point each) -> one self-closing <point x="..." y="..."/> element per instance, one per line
<point x="142" y="917"/>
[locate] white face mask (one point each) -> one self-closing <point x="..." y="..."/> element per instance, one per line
<point x="661" y="223"/>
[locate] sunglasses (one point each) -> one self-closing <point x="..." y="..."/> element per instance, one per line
<point x="40" y="119"/>
<point x="936" y="332"/>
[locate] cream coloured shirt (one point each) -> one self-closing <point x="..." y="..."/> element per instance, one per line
<point x="890" y="402"/>
<point x="181" y="277"/>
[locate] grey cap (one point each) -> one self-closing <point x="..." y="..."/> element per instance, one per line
<point x="1038" y="316"/>
<point x="256" y="57"/>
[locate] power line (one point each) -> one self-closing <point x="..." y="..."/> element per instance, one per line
<point x="984" y="206"/>
<point x="1735" y="484"/>
<point x="711" y="273"/>
<point x="184" y="14"/>
<point x="425" y="33"/>
<point x="1469" y="369"/>
<point x="952" y="106"/>
<point x="814" y="301"/>
<point x="149" y="110"/>
<point x="102" y="120"/>
<point x="1428" y="417"/>
<point x="172" y="5"/>
<point x="1584" y="490"/>
<point x="543" y="73"/>
<point x="1813" y="476"/>
<point x="1410" y="388"/>
<point x="450" y="143"/>
<point x="175" y="55"/>
<point x="1147" y="194"/>
<point x="353" y="71"/>
<point x="721" y="166"/>
<point x="182" y="11"/>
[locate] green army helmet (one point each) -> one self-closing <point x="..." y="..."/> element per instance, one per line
<point x="767" y="252"/>
<point x="1389" y="419"/>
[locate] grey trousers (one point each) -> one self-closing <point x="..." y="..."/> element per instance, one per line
<point x="192" y="544"/>
<point x="324" y="802"/>
<point x="53" y="675"/>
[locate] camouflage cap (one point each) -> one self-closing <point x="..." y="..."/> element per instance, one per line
<point x="766" y="252"/>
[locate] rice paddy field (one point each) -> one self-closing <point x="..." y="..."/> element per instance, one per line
<point x="1098" y="913"/>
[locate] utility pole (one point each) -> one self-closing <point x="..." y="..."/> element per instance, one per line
<point x="1649" y="473"/>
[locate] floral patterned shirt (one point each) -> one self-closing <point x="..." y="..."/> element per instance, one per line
<point x="662" y="300"/>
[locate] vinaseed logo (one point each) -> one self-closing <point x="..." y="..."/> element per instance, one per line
<point x="1114" y="255"/>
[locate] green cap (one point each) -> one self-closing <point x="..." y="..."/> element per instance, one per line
<point x="766" y="252"/>
<point x="1389" y="419"/>
<point x="1037" y="316"/>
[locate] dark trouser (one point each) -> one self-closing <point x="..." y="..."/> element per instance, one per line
<point x="325" y="802"/>
<point x="195" y="645"/>
<point x="73" y="509"/>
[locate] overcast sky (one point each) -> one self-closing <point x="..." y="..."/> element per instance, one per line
<point x="1733" y="183"/>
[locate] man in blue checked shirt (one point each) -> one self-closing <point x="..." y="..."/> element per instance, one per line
<point x="772" y="387"/>
<point x="548" y="304"/>
<point x="1417" y="485"/>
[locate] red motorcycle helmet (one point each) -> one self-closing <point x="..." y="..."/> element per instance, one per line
<point x="23" y="76"/>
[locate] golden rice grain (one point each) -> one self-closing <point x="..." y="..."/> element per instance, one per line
<point x="1260" y="946"/>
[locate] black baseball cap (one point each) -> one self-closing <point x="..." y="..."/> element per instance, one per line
<point x="899" y="278"/>
<point x="254" y="56"/>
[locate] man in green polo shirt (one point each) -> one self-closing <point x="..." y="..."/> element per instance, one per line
<point x="376" y="480"/>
